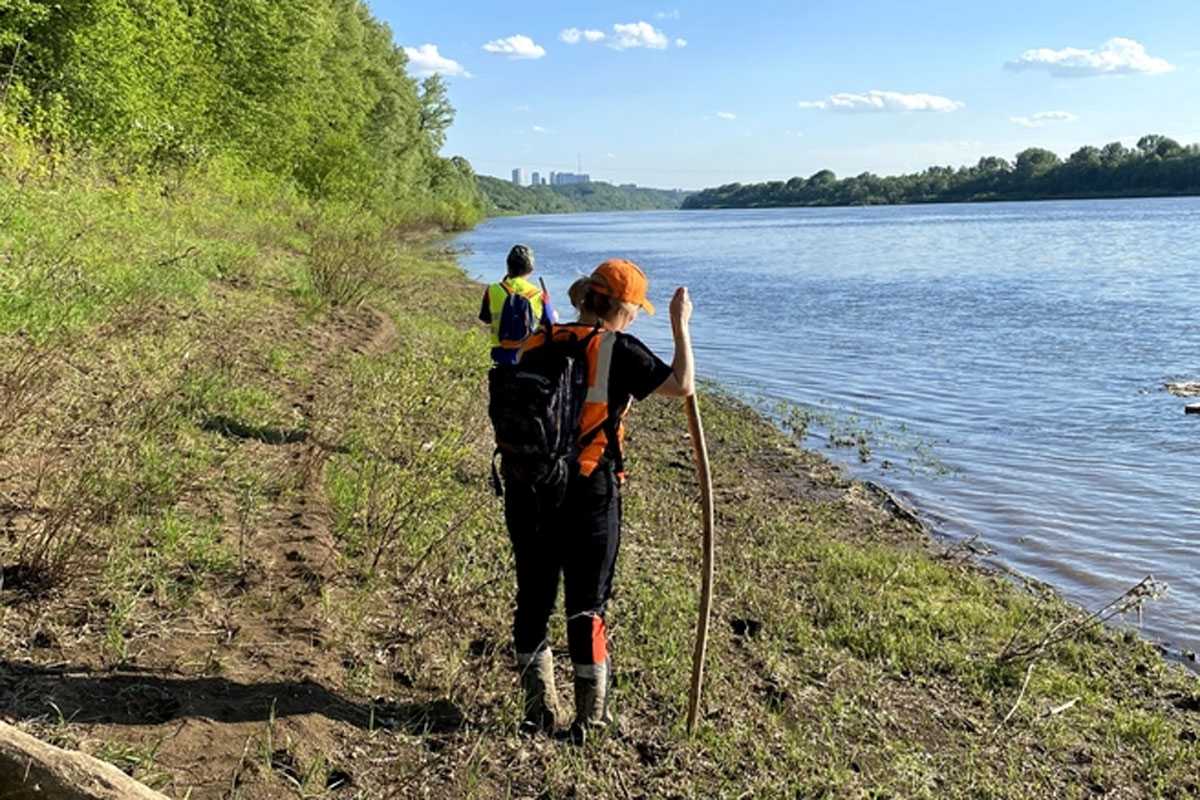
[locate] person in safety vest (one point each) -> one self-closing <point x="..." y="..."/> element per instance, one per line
<point x="579" y="537"/>
<point x="514" y="307"/>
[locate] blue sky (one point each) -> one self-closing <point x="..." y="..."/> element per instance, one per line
<point x="690" y="94"/>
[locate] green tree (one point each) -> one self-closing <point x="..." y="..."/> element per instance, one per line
<point x="992" y="165"/>
<point x="1154" y="145"/>
<point x="823" y="178"/>
<point x="1113" y="154"/>
<point x="314" y="91"/>
<point x="1035" y="161"/>
<point x="1086" y="156"/>
<point x="436" y="112"/>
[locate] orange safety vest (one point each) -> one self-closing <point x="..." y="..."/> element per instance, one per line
<point x="595" y="406"/>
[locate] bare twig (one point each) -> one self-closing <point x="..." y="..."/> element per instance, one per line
<point x="1056" y="710"/>
<point x="1020" y="697"/>
<point x="451" y="529"/>
<point x="1133" y="598"/>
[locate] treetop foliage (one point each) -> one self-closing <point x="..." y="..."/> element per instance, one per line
<point x="1158" y="166"/>
<point x="314" y="91"/>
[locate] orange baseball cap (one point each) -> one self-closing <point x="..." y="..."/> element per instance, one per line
<point x="622" y="280"/>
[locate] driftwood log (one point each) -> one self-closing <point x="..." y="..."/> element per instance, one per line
<point x="1184" y="388"/>
<point x="30" y="769"/>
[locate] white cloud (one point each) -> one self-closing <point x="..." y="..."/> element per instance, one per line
<point x="673" y="14"/>
<point x="539" y="129"/>
<point x="1117" y="56"/>
<point x="425" y="60"/>
<point x="523" y="108"/>
<point x="575" y="35"/>
<point x="728" y="115"/>
<point x="1040" y="119"/>
<point x="638" y="34"/>
<point x="610" y="155"/>
<point x="876" y="100"/>
<point x="518" y="46"/>
<point x="681" y="42"/>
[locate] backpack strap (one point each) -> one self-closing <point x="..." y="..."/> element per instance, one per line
<point x="497" y="487"/>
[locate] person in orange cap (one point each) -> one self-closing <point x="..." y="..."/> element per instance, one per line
<point x="580" y="537"/>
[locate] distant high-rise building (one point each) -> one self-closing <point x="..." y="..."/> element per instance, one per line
<point x="566" y="178"/>
<point x="535" y="179"/>
<point x="518" y="177"/>
<point x="553" y="178"/>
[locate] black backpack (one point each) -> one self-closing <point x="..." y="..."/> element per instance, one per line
<point x="535" y="407"/>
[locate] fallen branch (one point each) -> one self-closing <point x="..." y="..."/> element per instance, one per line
<point x="30" y="768"/>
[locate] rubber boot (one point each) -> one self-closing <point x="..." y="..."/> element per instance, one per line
<point x="591" y="701"/>
<point x="542" y="710"/>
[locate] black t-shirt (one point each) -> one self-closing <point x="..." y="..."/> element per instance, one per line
<point x="635" y="371"/>
<point x="634" y="374"/>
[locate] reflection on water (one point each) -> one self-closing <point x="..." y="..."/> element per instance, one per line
<point x="1026" y="343"/>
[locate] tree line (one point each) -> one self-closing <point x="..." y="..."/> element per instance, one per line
<point x="503" y="197"/>
<point x="313" y="91"/>
<point x="1157" y="166"/>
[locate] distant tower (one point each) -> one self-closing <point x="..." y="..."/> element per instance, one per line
<point x="535" y="179"/>
<point x="553" y="178"/>
<point x="518" y="177"/>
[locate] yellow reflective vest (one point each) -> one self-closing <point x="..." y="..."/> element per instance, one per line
<point x="496" y="296"/>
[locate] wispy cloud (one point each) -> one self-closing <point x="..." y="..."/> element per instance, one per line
<point x="879" y="101"/>
<point x="425" y="60"/>
<point x="629" y="35"/>
<point x="1117" y="56"/>
<point x="672" y="14"/>
<point x="1042" y="118"/>
<point x="516" y="47"/>
<point x="539" y="129"/>
<point x="727" y="115"/>
<point x="576" y="35"/>
<point x="624" y="36"/>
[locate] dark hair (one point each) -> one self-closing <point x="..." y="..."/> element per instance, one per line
<point x="599" y="304"/>
<point x="520" y="261"/>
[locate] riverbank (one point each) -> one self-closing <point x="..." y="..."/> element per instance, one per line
<point x="503" y="198"/>
<point x="250" y="551"/>
<point x="1158" y="167"/>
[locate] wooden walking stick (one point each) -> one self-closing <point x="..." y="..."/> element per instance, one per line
<point x="706" y="499"/>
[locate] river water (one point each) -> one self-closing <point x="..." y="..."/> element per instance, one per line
<point x="1005" y="362"/>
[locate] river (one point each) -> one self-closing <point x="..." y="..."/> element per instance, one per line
<point x="1004" y="362"/>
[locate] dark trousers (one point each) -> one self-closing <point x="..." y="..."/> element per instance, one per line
<point x="577" y="538"/>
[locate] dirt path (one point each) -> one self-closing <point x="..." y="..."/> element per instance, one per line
<point x="235" y="689"/>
